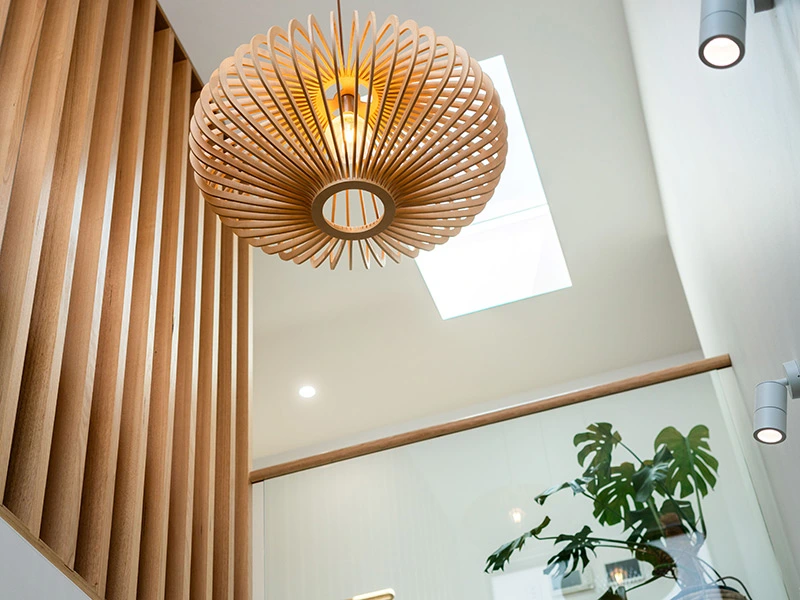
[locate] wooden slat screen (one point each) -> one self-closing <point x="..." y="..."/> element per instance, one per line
<point x="125" y="314"/>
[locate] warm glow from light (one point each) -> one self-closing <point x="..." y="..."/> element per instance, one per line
<point x="619" y="576"/>
<point x="517" y="514"/>
<point x="722" y="51"/>
<point x="769" y="436"/>
<point x="307" y="391"/>
<point x="346" y="132"/>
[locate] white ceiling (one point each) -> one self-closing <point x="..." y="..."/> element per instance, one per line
<point x="372" y="342"/>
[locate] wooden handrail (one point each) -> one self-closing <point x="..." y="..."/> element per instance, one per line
<point x="490" y="418"/>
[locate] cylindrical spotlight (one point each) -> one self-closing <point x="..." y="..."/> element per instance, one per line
<point x="769" y="419"/>
<point x="722" y="31"/>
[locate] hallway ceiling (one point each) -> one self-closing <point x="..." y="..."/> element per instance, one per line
<point x="372" y="343"/>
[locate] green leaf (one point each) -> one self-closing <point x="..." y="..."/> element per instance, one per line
<point x="598" y="440"/>
<point x="644" y="526"/>
<point x="651" y="474"/>
<point x="497" y="561"/>
<point x="577" y="485"/>
<point x="574" y="554"/>
<point x="693" y="466"/>
<point x="617" y="495"/>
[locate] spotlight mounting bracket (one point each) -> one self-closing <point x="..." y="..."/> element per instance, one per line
<point x="763" y="5"/>
<point x="792" y="378"/>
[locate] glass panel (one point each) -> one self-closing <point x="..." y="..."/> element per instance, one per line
<point x="423" y="519"/>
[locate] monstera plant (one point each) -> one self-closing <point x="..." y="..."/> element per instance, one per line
<point x="657" y="503"/>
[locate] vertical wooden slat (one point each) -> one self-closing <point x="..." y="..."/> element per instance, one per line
<point x="23" y="27"/>
<point x="203" y="517"/>
<point x="225" y="468"/>
<point x="39" y="390"/>
<point x="4" y="4"/>
<point x="153" y="555"/>
<point x="126" y="529"/>
<point x="102" y="447"/>
<point x="243" y="588"/>
<point x="22" y="247"/>
<point x="68" y="452"/>
<point x="179" y="546"/>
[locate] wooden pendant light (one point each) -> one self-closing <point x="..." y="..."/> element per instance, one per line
<point x="311" y="148"/>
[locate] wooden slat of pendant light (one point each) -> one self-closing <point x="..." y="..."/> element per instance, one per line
<point x="103" y="444"/>
<point x="204" y="473"/>
<point x="153" y="555"/>
<point x="70" y="434"/>
<point x="126" y="531"/>
<point x="39" y="390"/>
<point x="19" y="265"/>
<point x="429" y="141"/>
<point x="179" y="546"/>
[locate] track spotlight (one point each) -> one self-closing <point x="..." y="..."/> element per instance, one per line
<point x="722" y="32"/>
<point x="769" y="418"/>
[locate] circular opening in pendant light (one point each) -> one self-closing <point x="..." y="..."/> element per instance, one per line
<point x="353" y="210"/>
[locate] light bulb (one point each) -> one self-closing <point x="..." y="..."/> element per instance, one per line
<point x="349" y="122"/>
<point x="347" y="129"/>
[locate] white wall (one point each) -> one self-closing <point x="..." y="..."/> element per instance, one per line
<point x="726" y="146"/>
<point x="423" y="518"/>
<point x="27" y="575"/>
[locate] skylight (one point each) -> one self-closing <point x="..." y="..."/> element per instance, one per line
<point x="511" y="251"/>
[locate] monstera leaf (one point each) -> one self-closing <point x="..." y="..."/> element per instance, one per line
<point x="598" y="441"/>
<point x="577" y="485"/>
<point x="693" y="466"/>
<point x="497" y="561"/>
<point x="644" y="525"/>
<point x="574" y="554"/>
<point x="617" y="496"/>
<point x="651" y="474"/>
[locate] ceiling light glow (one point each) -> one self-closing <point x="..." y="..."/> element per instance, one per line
<point x="307" y="391"/>
<point x="517" y="514"/>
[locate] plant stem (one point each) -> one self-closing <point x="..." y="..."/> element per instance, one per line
<point x="700" y="512"/>
<point x="654" y="510"/>
<point x="632" y="453"/>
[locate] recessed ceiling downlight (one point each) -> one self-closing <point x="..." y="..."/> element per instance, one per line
<point x="307" y="391"/>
